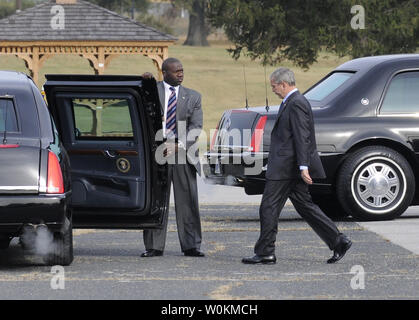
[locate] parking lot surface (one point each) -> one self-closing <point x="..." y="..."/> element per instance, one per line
<point x="108" y="265"/>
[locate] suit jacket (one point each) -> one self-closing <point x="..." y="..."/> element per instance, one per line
<point x="293" y="142"/>
<point x="188" y="110"/>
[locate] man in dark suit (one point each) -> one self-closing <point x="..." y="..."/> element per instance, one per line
<point x="182" y="115"/>
<point x="293" y="162"/>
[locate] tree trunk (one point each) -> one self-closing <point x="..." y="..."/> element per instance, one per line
<point x="18" y="5"/>
<point x="198" y="29"/>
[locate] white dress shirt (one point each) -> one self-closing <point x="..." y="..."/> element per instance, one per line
<point x="289" y="93"/>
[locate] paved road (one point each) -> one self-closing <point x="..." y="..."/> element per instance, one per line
<point x="107" y="264"/>
<point x="403" y="231"/>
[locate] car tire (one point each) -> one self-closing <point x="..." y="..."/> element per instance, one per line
<point x="62" y="251"/>
<point x="375" y="183"/>
<point x="330" y="206"/>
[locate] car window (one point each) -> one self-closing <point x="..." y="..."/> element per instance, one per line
<point x="403" y="94"/>
<point x="8" y="120"/>
<point x="100" y="118"/>
<point x="328" y="85"/>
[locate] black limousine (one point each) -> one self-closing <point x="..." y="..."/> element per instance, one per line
<point x="85" y="161"/>
<point x="367" y="130"/>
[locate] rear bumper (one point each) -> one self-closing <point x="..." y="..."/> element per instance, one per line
<point x="18" y="210"/>
<point x="237" y="170"/>
<point x="246" y="169"/>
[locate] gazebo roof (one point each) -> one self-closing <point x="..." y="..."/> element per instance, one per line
<point x="84" y="21"/>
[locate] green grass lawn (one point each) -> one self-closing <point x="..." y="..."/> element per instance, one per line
<point x="210" y="70"/>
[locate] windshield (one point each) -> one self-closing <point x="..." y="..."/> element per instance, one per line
<point x="327" y="86"/>
<point x="7" y="116"/>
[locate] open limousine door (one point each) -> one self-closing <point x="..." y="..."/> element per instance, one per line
<point x="108" y="126"/>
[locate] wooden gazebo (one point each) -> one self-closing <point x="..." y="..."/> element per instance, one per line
<point x="78" y="27"/>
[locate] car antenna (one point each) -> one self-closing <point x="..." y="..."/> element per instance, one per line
<point x="245" y="86"/>
<point x="266" y="93"/>
<point x="5" y="126"/>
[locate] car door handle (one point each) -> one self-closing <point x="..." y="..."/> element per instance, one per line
<point x="110" y="154"/>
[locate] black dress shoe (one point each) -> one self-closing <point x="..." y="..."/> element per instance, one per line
<point x="340" y="250"/>
<point x="260" y="259"/>
<point x="152" y="253"/>
<point x="193" y="253"/>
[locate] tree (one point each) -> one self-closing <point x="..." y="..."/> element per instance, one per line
<point x="120" y="6"/>
<point x="297" y="30"/>
<point x="9" y="8"/>
<point x="136" y="9"/>
<point x="123" y="6"/>
<point x="6" y="9"/>
<point x="391" y="26"/>
<point x="198" y="29"/>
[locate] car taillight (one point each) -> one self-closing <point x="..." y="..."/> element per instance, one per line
<point x="257" y="136"/>
<point x="55" y="182"/>
<point x="8" y="146"/>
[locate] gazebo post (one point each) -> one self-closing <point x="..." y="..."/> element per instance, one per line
<point x="101" y="61"/>
<point x="35" y="64"/>
<point x="158" y="63"/>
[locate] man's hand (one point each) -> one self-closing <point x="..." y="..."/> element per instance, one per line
<point x="147" y="75"/>
<point x="171" y="149"/>
<point x="306" y="176"/>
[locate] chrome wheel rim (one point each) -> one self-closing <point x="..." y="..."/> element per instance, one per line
<point x="378" y="185"/>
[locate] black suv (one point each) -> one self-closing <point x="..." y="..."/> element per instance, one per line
<point x="366" y="115"/>
<point x="89" y="165"/>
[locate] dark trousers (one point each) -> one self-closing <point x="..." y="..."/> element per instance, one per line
<point x="274" y="197"/>
<point x="188" y="220"/>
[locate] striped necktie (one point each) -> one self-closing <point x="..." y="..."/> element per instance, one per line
<point x="171" y="113"/>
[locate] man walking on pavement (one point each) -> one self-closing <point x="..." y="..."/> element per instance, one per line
<point x="292" y="164"/>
